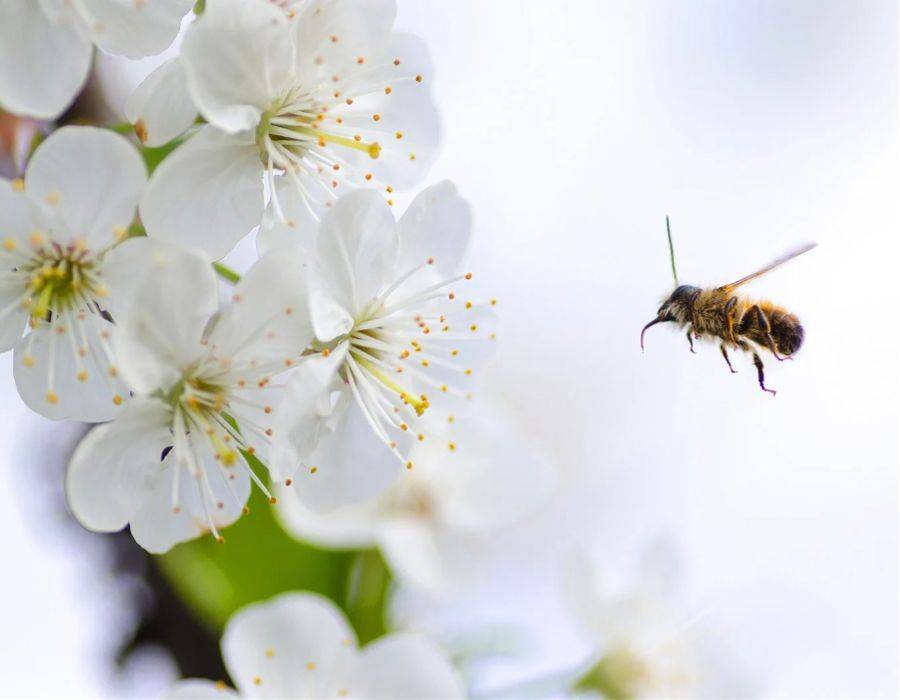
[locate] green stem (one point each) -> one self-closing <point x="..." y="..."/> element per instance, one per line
<point x="226" y="273"/>
<point x="367" y="593"/>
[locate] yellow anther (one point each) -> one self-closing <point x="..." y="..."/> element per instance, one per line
<point x="270" y="653"/>
<point x="28" y="361"/>
<point x="452" y="446"/>
<point x="52" y="398"/>
<point x="52" y="198"/>
<point x="310" y="666"/>
<point x="82" y="376"/>
<point x="36" y="239"/>
<point x="117" y="400"/>
<point x="9" y="244"/>
<point x="18" y="185"/>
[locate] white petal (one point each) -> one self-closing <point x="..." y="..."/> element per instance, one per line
<point x="16" y="215"/>
<point x="82" y="386"/>
<point x="494" y="478"/>
<point x="157" y="527"/>
<point x="412" y="551"/>
<point x="112" y="466"/>
<point x="128" y="265"/>
<point x="437" y="224"/>
<point x="267" y="321"/>
<point x="92" y="178"/>
<point x="408" y="110"/>
<point x="331" y="35"/>
<point x="297" y="645"/>
<point x="43" y="63"/>
<point x="208" y="193"/>
<point x="136" y="28"/>
<point x="169" y="311"/>
<point x="12" y="314"/>
<point x="330" y="319"/>
<point x="357" y="248"/>
<point x="238" y="58"/>
<point x="195" y="689"/>
<point x="405" y="667"/>
<point x="161" y="108"/>
<point x="306" y="412"/>
<point x="351" y="464"/>
<point x="353" y="526"/>
<point x="301" y="219"/>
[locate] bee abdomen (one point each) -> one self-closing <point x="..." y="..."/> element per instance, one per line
<point x="786" y="331"/>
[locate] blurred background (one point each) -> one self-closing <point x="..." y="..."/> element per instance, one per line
<point x="574" y="129"/>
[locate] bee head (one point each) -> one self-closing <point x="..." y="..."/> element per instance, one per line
<point x="677" y="308"/>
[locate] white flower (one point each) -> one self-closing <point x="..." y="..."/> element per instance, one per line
<point x="203" y="387"/>
<point x="299" y="645"/>
<point x="323" y="96"/>
<point x="47" y="45"/>
<point x="58" y="276"/>
<point x="430" y="523"/>
<point x="646" y="648"/>
<point x="393" y="336"/>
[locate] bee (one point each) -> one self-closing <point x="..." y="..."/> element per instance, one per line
<point x="737" y="322"/>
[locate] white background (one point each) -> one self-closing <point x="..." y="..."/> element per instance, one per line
<point x="574" y="128"/>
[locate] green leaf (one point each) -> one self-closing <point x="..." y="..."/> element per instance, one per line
<point x="154" y="156"/>
<point x="259" y="560"/>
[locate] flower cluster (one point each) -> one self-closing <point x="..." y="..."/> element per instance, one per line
<point x="334" y="375"/>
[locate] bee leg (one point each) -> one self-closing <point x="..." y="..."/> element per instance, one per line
<point x="727" y="359"/>
<point x="691" y="340"/>
<point x="761" y="374"/>
<point x="767" y="329"/>
<point x="729" y="318"/>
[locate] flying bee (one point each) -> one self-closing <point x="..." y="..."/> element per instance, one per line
<point x="738" y="323"/>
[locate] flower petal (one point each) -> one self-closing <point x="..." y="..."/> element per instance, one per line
<point x="349" y="465"/>
<point x="357" y="248"/>
<point x="408" y="127"/>
<point x="208" y="193"/>
<point x="161" y="334"/>
<point x="353" y="526"/>
<point x="111" y="467"/>
<point x="306" y="412"/>
<point x="267" y="322"/>
<point x="16" y="215"/>
<point x="296" y="645"/>
<point x="238" y="59"/>
<point x="411" y="549"/>
<point x="330" y="36"/>
<point x="13" y="314"/>
<point x="302" y="217"/>
<point x="437" y="224"/>
<point x="91" y="178"/>
<point x="62" y="370"/>
<point x="161" y="108"/>
<point x="135" y="29"/>
<point x="43" y="63"/>
<point x="405" y="667"/>
<point x="196" y="689"/>
<point x="157" y="527"/>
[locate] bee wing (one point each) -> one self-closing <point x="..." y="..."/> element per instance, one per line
<point x="768" y="268"/>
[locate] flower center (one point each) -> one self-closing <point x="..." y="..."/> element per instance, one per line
<point x="406" y="343"/>
<point x="59" y="278"/>
<point x="290" y="133"/>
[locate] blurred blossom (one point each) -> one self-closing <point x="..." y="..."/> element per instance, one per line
<point x="300" y="645"/>
<point x="646" y="648"/>
<point x="430" y="520"/>
<point x="324" y="95"/>
<point x="48" y="44"/>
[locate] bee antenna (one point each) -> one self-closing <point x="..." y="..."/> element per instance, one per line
<point x="671" y="250"/>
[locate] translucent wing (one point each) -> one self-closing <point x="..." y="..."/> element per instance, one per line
<point x="771" y="266"/>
